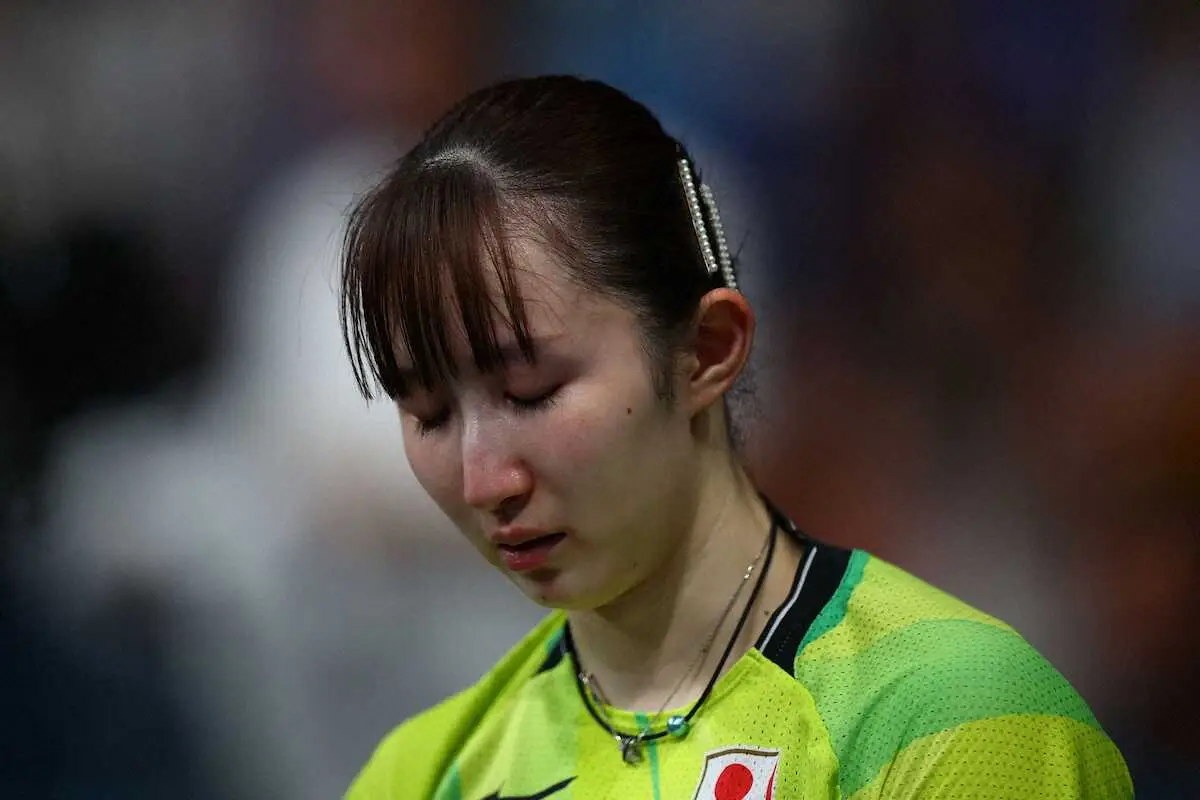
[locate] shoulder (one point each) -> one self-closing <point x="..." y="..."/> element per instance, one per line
<point x="412" y="759"/>
<point x="884" y="629"/>
<point x="905" y="676"/>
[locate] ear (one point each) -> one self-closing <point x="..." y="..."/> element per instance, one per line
<point x="720" y="347"/>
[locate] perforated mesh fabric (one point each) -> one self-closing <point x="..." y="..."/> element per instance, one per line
<point x="1027" y="756"/>
<point x="910" y="677"/>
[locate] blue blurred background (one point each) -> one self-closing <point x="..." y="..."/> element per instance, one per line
<point x="972" y="230"/>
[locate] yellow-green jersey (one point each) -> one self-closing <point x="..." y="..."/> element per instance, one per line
<point x="866" y="683"/>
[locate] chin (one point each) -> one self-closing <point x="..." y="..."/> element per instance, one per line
<point x="562" y="590"/>
<point x="550" y="591"/>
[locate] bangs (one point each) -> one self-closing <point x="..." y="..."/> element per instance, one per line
<point x="427" y="262"/>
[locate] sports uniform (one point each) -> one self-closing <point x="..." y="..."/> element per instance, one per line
<point x="866" y="683"/>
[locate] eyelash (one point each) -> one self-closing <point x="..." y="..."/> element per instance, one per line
<point x="520" y="404"/>
<point x="428" y="426"/>
<point x="539" y="403"/>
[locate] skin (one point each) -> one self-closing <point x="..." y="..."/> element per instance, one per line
<point x="660" y="521"/>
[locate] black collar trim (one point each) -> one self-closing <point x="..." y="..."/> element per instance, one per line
<point x="814" y="585"/>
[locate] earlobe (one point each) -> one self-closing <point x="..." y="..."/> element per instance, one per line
<point x="722" y="337"/>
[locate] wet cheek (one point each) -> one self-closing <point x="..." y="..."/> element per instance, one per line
<point x="584" y="449"/>
<point x="438" y="473"/>
<point x="570" y="456"/>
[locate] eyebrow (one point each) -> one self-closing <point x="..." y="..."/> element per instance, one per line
<point x="509" y="353"/>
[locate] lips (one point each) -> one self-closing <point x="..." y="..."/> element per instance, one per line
<point x="526" y="550"/>
<point x="515" y="535"/>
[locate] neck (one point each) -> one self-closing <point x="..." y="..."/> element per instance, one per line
<point x="640" y="647"/>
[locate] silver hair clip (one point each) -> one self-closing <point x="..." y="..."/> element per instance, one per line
<point x="718" y="262"/>
<point x="724" y="260"/>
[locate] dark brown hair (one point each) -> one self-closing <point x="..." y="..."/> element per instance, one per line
<point x="574" y="164"/>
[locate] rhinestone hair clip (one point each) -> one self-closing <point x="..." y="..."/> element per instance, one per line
<point x="699" y="202"/>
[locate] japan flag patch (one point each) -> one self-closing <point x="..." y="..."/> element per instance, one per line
<point x="738" y="773"/>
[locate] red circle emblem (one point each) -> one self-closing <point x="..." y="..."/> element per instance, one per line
<point x="734" y="783"/>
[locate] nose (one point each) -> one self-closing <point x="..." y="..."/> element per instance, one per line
<point x="495" y="480"/>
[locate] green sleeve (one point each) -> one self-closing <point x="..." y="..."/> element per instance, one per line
<point x="960" y="708"/>
<point x="1016" y="757"/>
<point x="416" y="761"/>
<point x="413" y="759"/>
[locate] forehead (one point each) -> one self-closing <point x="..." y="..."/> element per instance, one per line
<point x="531" y="302"/>
<point x="546" y="291"/>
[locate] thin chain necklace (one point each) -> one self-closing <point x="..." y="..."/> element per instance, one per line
<point x="589" y="680"/>
<point x="678" y="725"/>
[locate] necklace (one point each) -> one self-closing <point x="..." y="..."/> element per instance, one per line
<point x="602" y="702"/>
<point x="678" y="725"/>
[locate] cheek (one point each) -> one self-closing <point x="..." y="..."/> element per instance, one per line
<point x="606" y="440"/>
<point x="435" y="466"/>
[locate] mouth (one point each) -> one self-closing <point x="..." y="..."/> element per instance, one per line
<point x="530" y="553"/>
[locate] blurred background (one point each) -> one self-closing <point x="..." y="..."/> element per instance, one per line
<point x="972" y="230"/>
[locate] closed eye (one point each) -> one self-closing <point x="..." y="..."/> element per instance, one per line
<point x="427" y="425"/>
<point x="536" y="403"/>
<point x="522" y="404"/>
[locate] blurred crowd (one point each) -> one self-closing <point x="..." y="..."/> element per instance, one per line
<point x="972" y="230"/>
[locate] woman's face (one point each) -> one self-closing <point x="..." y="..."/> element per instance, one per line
<point x="570" y="474"/>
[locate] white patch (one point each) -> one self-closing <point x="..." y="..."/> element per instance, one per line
<point x="738" y="773"/>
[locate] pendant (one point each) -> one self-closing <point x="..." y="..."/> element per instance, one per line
<point x="678" y="726"/>
<point x="631" y="749"/>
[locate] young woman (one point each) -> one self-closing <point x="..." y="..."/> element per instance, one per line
<point x="543" y="287"/>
